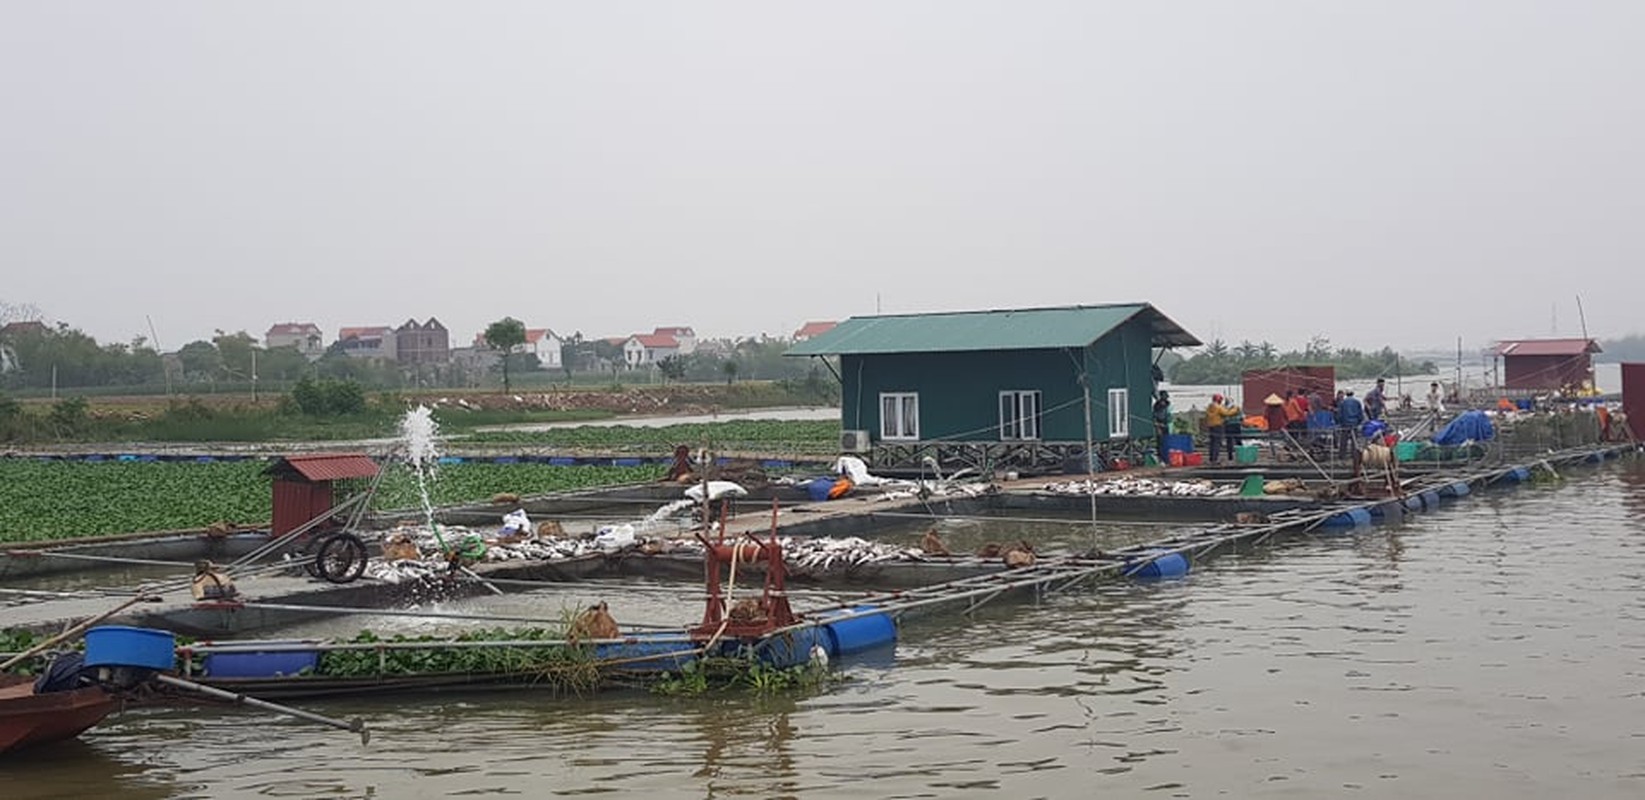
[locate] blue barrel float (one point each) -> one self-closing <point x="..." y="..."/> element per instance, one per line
<point x="122" y="646"/>
<point x="1412" y="502"/>
<point x="1155" y="563"/>
<point x="862" y="631"/>
<point x="649" y="652"/>
<point x="1430" y="500"/>
<point x="1348" y="519"/>
<point x="791" y="648"/>
<point x="1518" y="474"/>
<point x="1458" y="489"/>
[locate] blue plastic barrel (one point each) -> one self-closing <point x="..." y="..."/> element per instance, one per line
<point x="1348" y="519"/>
<point x="122" y="646"/>
<point x="1430" y="500"/>
<point x="1519" y="474"/>
<point x="562" y="461"/>
<point x="658" y="652"/>
<point x="450" y="459"/>
<point x="1459" y="489"/>
<point x="204" y="459"/>
<point x="861" y="633"/>
<point x="1412" y="503"/>
<point x="793" y="648"/>
<point x="505" y="460"/>
<point x="1169" y="565"/>
<point x="772" y="463"/>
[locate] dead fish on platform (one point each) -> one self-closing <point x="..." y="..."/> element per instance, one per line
<point x="932" y="544"/>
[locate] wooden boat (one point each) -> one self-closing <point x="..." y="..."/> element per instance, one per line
<point x="28" y="719"/>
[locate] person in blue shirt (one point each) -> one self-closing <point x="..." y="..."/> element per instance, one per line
<point x="1350" y="415"/>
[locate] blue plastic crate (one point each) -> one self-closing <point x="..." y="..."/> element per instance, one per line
<point x="261" y="664"/>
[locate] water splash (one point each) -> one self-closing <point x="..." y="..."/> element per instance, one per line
<point x="421" y="434"/>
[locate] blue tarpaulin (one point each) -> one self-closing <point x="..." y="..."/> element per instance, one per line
<point x="1472" y="426"/>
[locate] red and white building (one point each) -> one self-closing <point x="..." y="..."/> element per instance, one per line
<point x="305" y="336"/>
<point x="814" y="328"/>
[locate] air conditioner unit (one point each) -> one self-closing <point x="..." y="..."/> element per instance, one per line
<point x="855" y="442"/>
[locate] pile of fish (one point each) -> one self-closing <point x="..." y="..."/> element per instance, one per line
<point x="819" y="554"/>
<point x="1143" y="487"/>
<point x="431" y="561"/>
<point x="934" y="489"/>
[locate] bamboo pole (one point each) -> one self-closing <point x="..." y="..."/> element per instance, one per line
<point x="71" y="632"/>
<point x="355" y="725"/>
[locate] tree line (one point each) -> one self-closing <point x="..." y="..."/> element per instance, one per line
<point x="1220" y="363"/>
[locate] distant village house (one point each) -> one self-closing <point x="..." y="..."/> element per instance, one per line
<point x="305" y="336"/>
<point x="367" y="341"/>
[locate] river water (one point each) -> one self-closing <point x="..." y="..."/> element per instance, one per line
<point x="1495" y="648"/>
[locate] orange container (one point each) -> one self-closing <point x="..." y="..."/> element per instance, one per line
<point x="1178" y="458"/>
<point x="1193" y="460"/>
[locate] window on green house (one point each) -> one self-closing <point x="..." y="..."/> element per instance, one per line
<point x="1119" y="413"/>
<point x="1019" y="414"/>
<point x="900" y="416"/>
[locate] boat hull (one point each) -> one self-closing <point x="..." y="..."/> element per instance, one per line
<point x="28" y="719"/>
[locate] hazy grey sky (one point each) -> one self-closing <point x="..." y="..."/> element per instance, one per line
<point x="1400" y="172"/>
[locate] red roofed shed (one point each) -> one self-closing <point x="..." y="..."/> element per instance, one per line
<point x="1546" y="364"/>
<point x="303" y="488"/>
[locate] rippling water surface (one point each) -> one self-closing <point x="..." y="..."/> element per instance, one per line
<point x="1493" y="649"/>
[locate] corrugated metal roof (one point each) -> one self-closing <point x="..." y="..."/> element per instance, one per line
<point x="327" y="466"/>
<point x="1546" y="347"/>
<point x="1005" y="329"/>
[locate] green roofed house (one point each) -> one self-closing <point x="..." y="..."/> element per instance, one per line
<point x="1001" y="388"/>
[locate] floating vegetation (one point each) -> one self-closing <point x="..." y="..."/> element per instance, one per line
<point x="724" y="674"/>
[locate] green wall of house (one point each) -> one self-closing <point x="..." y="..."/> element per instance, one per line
<point x="960" y="391"/>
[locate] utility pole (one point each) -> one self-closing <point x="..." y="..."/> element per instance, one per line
<point x="254" y="376"/>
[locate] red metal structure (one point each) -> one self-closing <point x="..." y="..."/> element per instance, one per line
<point x="1256" y="384"/>
<point x="303" y="488"/>
<point x="1546" y="364"/>
<point x="1633" y="398"/>
<point x="770" y="612"/>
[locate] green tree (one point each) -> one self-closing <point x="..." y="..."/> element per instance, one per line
<point x="201" y="361"/>
<point x="504" y="336"/>
<point x="729" y="367"/>
<point x="673" y="368"/>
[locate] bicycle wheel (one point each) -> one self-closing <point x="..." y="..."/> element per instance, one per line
<point x="341" y="558"/>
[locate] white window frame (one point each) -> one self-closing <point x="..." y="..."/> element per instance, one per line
<point x="900" y="425"/>
<point x="1119" y="413"/>
<point x="1019" y="426"/>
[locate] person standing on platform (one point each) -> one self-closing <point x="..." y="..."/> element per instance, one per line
<point x="1162" y="424"/>
<point x="1436" y="399"/>
<point x="1217" y="418"/>
<point x="1376" y="401"/>
<point x="1350" y="415"/>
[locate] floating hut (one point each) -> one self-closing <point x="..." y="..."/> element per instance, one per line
<point x="1001" y="388"/>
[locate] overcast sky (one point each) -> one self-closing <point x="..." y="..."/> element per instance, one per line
<point x="1389" y="172"/>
